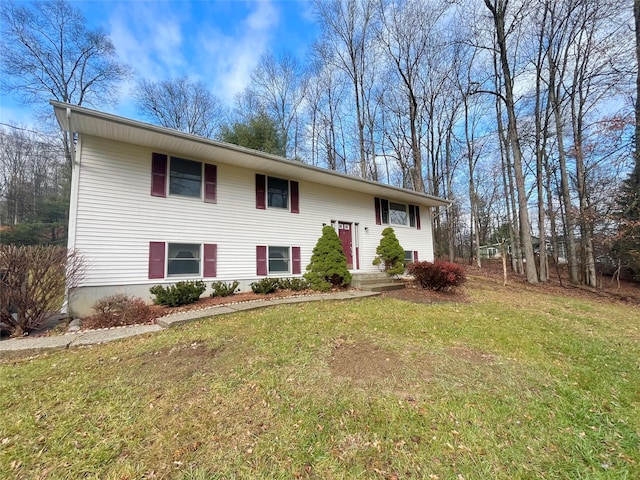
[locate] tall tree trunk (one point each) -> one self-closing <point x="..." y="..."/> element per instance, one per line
<point x="572" y="256"/>
<point x="541" y="131"/>
<point x="498" y="11"/>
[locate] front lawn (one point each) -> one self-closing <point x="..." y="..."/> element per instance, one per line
<point x="515" y="383"/>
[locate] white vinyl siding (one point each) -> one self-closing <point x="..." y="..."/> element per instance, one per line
<point x="117" y="218"/>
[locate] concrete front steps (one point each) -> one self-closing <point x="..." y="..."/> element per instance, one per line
<point x="375" y="282"/>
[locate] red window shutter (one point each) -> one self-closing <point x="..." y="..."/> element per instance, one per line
<point x="295" y="264"/>
<point x="376" y="203"/>
<point x="415" y="255"/>
<point x="159" y="175"/>
<point x="417" y="217"/>
<point x="261" y="260"/>
<point x="261" y="191"/>
<point x="156" y="259"/>
<point x="295" y="197"/>
<point x="210" y="183"/>
<point x="210" y="259"/>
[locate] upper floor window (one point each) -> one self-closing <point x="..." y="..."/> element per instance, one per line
<point x="277" y="192"/>
<point x="398" y="213"/>
<point x="185" y="177"/>
<point x="394" y="213"/>
<point x="274" y="192"/>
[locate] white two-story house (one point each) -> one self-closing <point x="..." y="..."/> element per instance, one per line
<point x="151" y="205"/>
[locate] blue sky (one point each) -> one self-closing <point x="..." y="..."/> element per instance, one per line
<point x="218" y="42"/>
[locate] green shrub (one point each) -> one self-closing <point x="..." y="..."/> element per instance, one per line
<point x="119" y="310"/>
<point x="390" y="253"/>
<point x="182" y="293"/>
<point x="328" y="267"/>
<point x="222" y="289"/>
<point x="437" y="276"/>
<point x="295" y="283"/>
<point x="266" y="285"/>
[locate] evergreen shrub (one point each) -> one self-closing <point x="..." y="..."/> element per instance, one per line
<point x="295" y="283"/>
<point x="437" y="276"/>
<point x="223" y="289"/>
<point x="328" y="267"/>
<point x="390" y="253"/>
<point x="181" y="293"/>
<point x="265" y="286"/>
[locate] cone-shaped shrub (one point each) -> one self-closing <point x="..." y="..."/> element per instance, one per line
<point x="390" y="253"/>
<point x="328" y="267"/>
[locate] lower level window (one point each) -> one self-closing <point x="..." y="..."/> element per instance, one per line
<point x="408" y="256"/>
<point x="279" y="260"/>
<point x="183" y="259"/>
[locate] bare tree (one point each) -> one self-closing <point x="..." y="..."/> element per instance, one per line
<point x="347" y="34"/>
<point x="499" y="12"/>
<point x="182" y="105"/>
<point x="324" y="103"/>
<point x="279" y="84"/>
<point x="407" y="33"/>
<point x="48" y="52"/>
<point x="31" y="170"/>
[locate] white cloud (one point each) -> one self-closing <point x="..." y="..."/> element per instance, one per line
<point x="146" y="40"/>
<point x="229" y="59"/>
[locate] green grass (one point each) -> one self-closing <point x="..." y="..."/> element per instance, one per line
<point x="515" y="384"/>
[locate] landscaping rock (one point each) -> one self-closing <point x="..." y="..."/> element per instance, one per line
<point x="74" y="325"/>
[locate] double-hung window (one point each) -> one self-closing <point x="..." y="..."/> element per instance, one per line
<point x="279" y="260"/>
<point x="183" y="259"/>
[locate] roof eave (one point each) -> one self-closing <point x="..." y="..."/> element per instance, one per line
<point x="73" y="118"/>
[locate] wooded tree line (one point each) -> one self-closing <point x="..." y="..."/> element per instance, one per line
<point x="521" y="112"/>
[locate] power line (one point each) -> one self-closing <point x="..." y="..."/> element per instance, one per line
<point x="25" y="129"/>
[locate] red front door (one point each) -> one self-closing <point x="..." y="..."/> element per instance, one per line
<point x="344" y="232"/>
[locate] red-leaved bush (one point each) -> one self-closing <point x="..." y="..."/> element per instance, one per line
<point x="119" y="310"/>
<point x="437" y="276"/>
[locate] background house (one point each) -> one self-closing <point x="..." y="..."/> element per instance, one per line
<point x="150" y="205"/>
